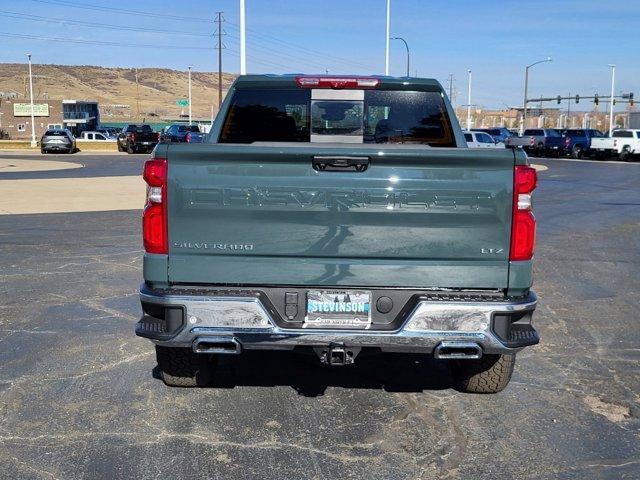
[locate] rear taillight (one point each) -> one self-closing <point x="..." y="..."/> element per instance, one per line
<point x="532" y="141"/>
<point x="131" y="136"/>
<point x="157" y="136"/>
<point x="188" y="138"/>
<point x="567" y="141"/>
<point x="523" y="226"/>
<point x="154" y="216"/>
<point x="337" y="82"/>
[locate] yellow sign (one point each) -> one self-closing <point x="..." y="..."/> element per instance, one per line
<point x="24" y="109"/>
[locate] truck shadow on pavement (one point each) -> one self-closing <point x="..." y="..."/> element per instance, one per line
<point x="388" y="372"/>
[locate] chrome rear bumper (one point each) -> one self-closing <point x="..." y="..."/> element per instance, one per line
<point x="236" y="319"/>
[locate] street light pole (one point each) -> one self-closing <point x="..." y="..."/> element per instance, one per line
<point x="613" y="89"/>
<point x="469" y="102"/>
<point x="526" y="91"/>
<point x="189" y="94"/>
<point x="406" y="45"/>
<point x="243" y="40"/>
<point x="33" y="126"/>
<point x="386" y="51"/>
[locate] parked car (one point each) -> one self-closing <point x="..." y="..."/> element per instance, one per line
<point x="108" y="132"/>
<point x="363" y="224"/>
<point x="95" y="136"/>
<point x="57" y="140"/>
<point x="137" y="138"/>
<point x="623" y="143"/>
<point x="499" y="134"/>
<point x="182" y="133"/>
<point x="577" y="141"/>
<point x="481" y="140"/>
<point x="540" y="142"/>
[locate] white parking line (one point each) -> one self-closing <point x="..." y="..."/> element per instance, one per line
<point x="539" y="168"/>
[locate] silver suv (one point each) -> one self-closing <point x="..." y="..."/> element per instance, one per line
<point x="57" y="140"/>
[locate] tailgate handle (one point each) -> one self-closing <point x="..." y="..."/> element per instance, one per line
<point x="328" y="163"/>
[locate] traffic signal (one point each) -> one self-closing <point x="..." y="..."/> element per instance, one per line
<point x="631" y="99"/>
<point x="596" y="100"/>
<point x="559" y="99"/>
<point x="614" y="102"/>
<point x="577" y="98"/>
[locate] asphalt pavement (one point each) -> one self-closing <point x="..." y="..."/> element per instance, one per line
<point x="79" y="396"/>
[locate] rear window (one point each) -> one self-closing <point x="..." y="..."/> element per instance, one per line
<point x="139" y="128"/>
<point x="622" y="134"/>
<point x="289" y="115"/>
<point x="575" y="133"/>
<point x="468" y="137"/>
<point x="535" y="133"/>
<point x="55" y="133"/>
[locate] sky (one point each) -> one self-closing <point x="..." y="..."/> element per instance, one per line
<point x="496" y="39"/>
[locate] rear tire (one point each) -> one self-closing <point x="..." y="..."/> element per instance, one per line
<point x="577" y="152"/>
<point x="489" y="374"/>
<point x="130" y="149"/>
<point x="625" y="155"/>
<point x="120" y="149"/>
<point x="180" y="367"/>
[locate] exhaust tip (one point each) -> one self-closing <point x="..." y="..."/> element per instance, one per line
<point x="457" y="351"/>
<point x="223" y="345"/>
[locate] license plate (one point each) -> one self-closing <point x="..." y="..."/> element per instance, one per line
<point x="146" y="143"/>
<point x="56" y="141"/>
<point x="338" y="309"/>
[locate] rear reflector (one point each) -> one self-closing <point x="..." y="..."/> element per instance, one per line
<point x="154" y="216"/>
<point x="337" y="82"/>
<point x="523" y="227"/>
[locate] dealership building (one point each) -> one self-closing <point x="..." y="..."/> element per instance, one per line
<point x="76" y="115"/>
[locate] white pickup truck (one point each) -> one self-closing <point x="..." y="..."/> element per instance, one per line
<point x="624" y="143"/>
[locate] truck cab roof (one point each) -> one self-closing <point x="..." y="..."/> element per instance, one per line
<point x="384" y="82"/>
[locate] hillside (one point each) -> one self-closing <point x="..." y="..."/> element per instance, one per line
<point x="159" y="88"/>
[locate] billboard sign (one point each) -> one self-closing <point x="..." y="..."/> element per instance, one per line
<point x="24" y="110"/>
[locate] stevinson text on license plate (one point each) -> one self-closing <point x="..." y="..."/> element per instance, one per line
<point x="338" y="309"/>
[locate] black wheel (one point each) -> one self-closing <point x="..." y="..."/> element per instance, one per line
<point x="43" y="151"/>
<point x="625" y="154"/>
<point x="490" y="374"/>
<point x="577" y="152"/>
<point x="180" y="367"/>
<point x="130" y="149"/>
<point x="120" y="149"/>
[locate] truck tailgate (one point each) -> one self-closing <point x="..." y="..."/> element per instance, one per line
<point x="262" y="215"/>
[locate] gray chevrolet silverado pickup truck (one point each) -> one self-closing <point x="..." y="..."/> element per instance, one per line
<point x="336" y="215"/>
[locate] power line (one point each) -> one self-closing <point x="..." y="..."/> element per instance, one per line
<point x="97" y="42"/>
<point x="271" y="38"/>
<point x="66" y="3"/>
<point x="103" y="26"/>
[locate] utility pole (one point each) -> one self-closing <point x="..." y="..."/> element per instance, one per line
<point x="451" y="80"/>
<point x="137" y="96"/>
<point x="243" y="41"/>
<point x="190" y="117"/>
<point x="386" y="52"/>
<point x="219" y="20"/>
<point x="613" y="88"/>
<point x="469" y="102"/>
<point x="33" y="124"/>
